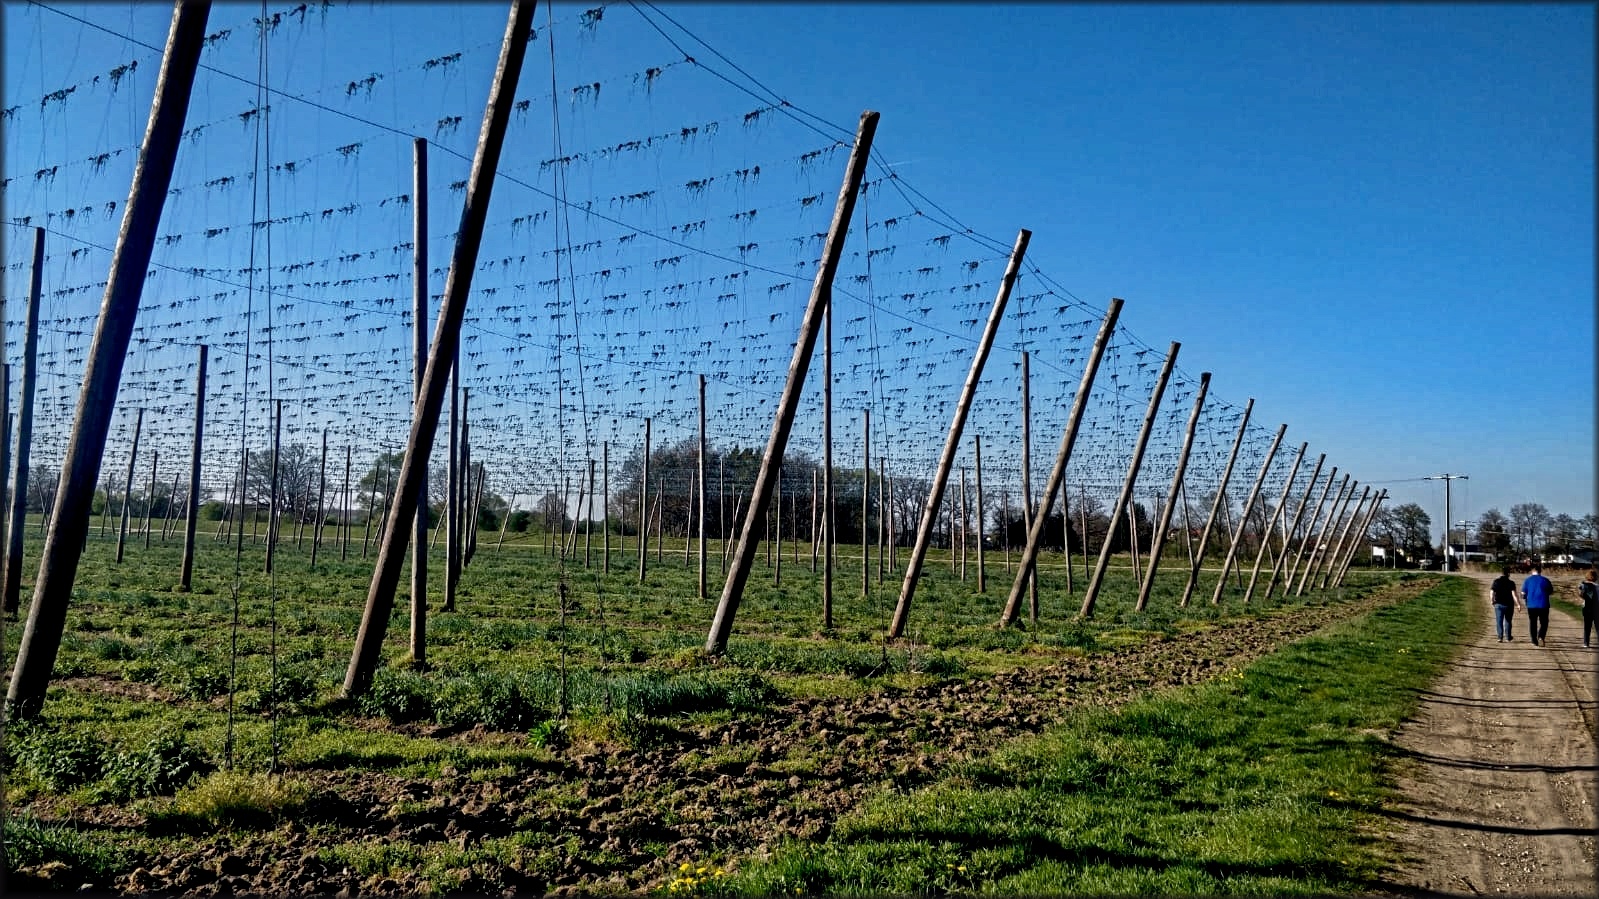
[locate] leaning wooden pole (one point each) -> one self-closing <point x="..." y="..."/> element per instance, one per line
<point x="452" y="483"/>
<point x="1346" y="489"/>
<point x="127" y="489"/>
<point x="19" y="459"/>
<point x="419" y="361"/>
<point x="946" y="460"/>
<point x="446" y="341"/>
<point x="788" y="404"/>
<point x="1215" y="506"/>
<point x="1279" y="512"/>
<point x="1304" y="539"/>
<point x="1057" y="475"/>
<point x="1332" y="558"/>
<point x="1243" y="516"/>
<point x="1290" y="528"/>
<point x="1158" y="546"/>
<point x="80" y="471"/>
<point x="1123" y="500"/>
<point x="1359" y="534"/>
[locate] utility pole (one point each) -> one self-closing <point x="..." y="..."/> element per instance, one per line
<point x="1446" y="478"/>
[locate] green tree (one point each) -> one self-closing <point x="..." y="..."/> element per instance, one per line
<point x="1493" y="533"/>
<point x="1529" y="524"/>
<point x="1407" y="527"/>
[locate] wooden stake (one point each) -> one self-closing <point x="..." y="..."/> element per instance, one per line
<point x="788" y="403"/>
<point x="913" y="566"/>
<point x="1035" y="530"/>
<point x="80" y="471"/>
<point x="19" y="471"/>
<point x="1091" y="593"/>
<point x="127" y="491"/>
<point x="1279" y="511"/>
<point x="1243" y="516"/>
<point x="446" y="341"/>
<point x="703" y="588"/>
<point x="1215" y="507"/>
<point x="1164" y="526"/>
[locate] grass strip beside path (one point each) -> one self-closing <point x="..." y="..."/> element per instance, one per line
<point x="1266" y="780"/>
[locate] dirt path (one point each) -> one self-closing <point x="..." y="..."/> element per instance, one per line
<point x="1502" y="800"/>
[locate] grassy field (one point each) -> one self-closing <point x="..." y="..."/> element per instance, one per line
<point x="1263" y="782"/>
<point x="169" y="708"/>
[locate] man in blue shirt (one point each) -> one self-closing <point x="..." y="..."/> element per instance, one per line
<point x="1535" y="592"/>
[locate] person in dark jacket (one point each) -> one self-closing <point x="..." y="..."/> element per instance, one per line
<point x="1589" y="589"/>
<point x="1504" y="594"/>
<point x="1535" y="593"/>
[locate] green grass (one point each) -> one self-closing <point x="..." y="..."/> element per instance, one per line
<point x="1260" y="782"/>
<point x="141" y="662"/>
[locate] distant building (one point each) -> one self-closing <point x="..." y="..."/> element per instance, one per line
<point x="1468" y="552"/>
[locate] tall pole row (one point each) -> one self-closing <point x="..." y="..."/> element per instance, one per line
<point x="1346" y="491"/>
<point x="1293" y="527"/>
<point x="1310" y="528"/>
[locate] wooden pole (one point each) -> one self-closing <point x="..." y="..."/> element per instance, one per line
<point x="1027" y="484"/>
<point x="1164" y="526"/>
<point x="1035" y="530"/>
<point x="777" y="568"/>
<point x="1325" y="578"/>
<point x="321" y="499"/>
<point x="19" y="459"/>
<point x="913" y="566"/>
<point x="866" y="502"/>
<point x="505" y="520"/>
<point x="348" y="504"/>
<point x="172" y="502"/>
<point x="149" y="496"/>
<point x="272" y="497"/>
<point x="446" y="342"/>
<point x="1277" y="513"/>
<point x="588" y="518"/>
<point x="1346" y="488"/>
<point x="1243" y="516"/>
<point x="1091" y="593"/>
<point x="1215" y="507"/>
<point x="605" y="506"/>
<point x="644" y="507"/>
<point x="452" y="486"/>
<point x="80" y="471"/>
<point x="885" y="515"/>
<point x="788" y="403"/>
<point x="704" y="590"/>
<point x="127" y="491"/>
<point x="977" y="468"/>
<point x="419" y="357"/>
<point x="1290" y="529"/>
<point x="1315" y="520"/>
<point x="963" y="527"/>
<point x="829" y="498"/>
<point x="816" y="535"/>
<point x="1359" y="534"/>
<point x="1132" y="542"/>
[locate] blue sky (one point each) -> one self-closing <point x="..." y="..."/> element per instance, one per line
<point x="1376" y="221"/>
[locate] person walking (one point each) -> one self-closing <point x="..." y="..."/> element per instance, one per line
<point x="1535" y="591"/>
<point x="1504" y="594"/>
<point x="1589" y="589"/>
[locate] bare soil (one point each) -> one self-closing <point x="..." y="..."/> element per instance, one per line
<point x="1500" y="798"/>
